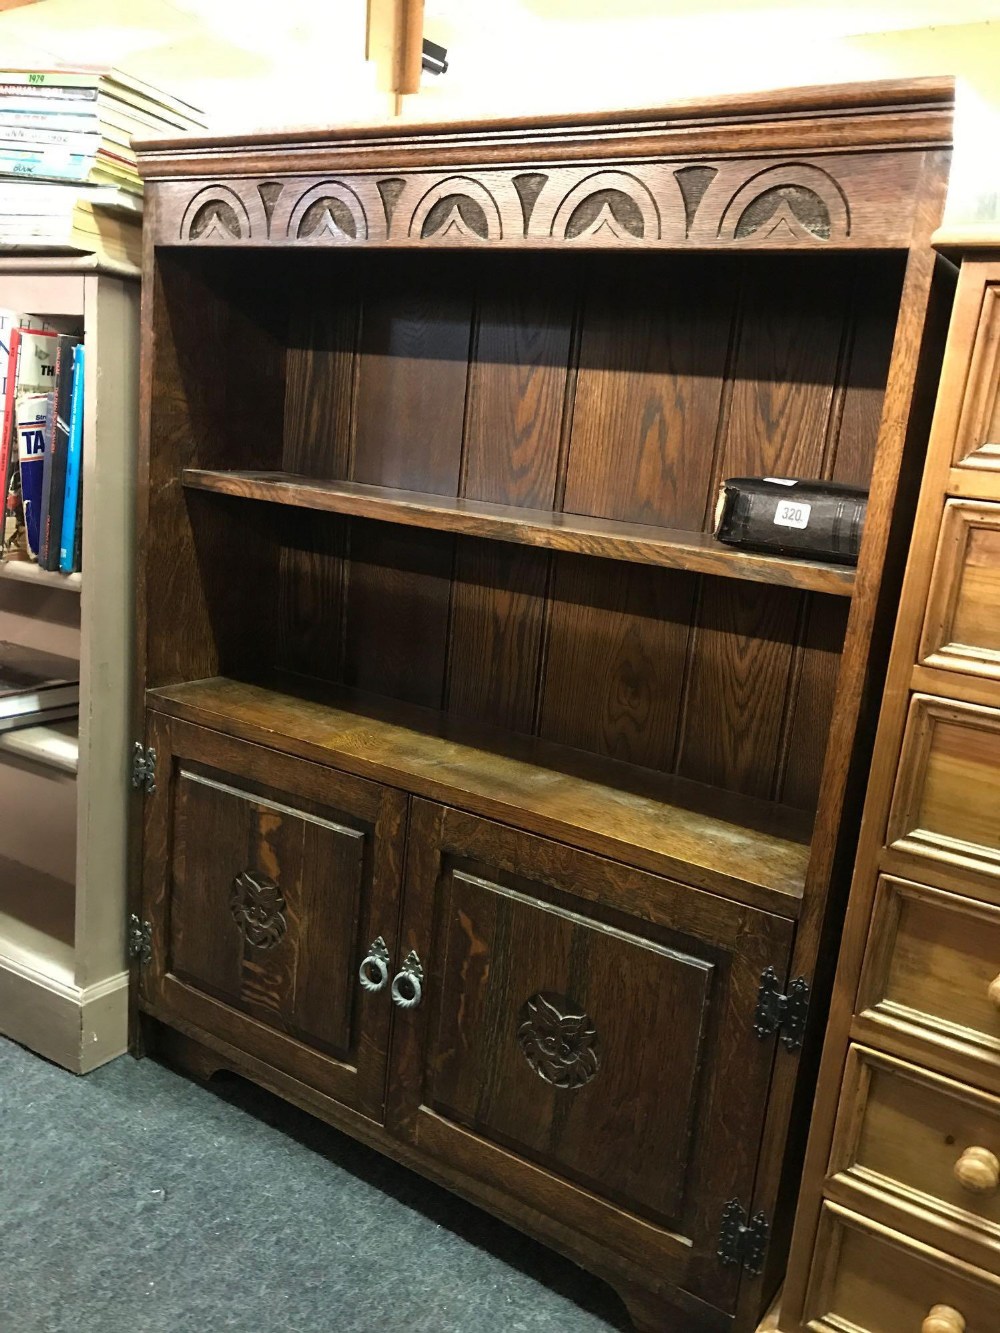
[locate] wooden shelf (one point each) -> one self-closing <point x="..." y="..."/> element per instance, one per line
<point x="26" y="571"/>
<point x="748" y="849"/>
<point x="55" y="745"/>
<point x="637" y="542"/>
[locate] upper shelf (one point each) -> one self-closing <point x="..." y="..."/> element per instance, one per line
<point x="637" y="542"/>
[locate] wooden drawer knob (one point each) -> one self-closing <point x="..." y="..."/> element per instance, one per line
<point x="943" y="1319"/>
<point x="978" y="1170"/>
<point x="994" y="992"/>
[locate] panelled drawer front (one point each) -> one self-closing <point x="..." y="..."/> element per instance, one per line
<point x="962" y="626"/>
<point x="867" y="1278"/>
<point x="932" y="972"/>
<point x="265" y="880"/>
<point x="977" y="442"/>
<point x="946" y="804"/>
<point x="923" y="1142"/>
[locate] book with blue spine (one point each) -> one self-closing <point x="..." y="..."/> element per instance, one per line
<point x="54" y="480"/>
<point x="74" y="454"/>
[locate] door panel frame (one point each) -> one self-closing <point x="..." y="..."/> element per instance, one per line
<point x="360" y="1085"/>
<point x="722" y="1167"/>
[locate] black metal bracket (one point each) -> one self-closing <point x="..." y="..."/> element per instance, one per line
<point x="139" y="939"/>
<point x="143" y="768"/>
<point x="742" y="1240"/>
<point x="780" y="1013"/>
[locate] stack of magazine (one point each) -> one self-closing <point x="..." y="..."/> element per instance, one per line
<point x="36" y="687"/>
<point x="68" y="177"/>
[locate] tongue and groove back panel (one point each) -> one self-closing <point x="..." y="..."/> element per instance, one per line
<point x="608" y="385"/>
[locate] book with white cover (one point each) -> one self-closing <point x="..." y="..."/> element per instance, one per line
<point x="34" y="425"/>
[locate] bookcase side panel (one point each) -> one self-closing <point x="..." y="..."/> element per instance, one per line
<point x="216" y="399"/>
<point x="111" y="393"/>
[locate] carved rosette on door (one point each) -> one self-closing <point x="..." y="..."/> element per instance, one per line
<point x="559" y="1044"/>
<point x="258" y="908"/>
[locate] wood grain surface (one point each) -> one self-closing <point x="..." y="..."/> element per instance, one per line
<point x="751" y="849"/>
<point x="520" y="936"/>
<point x="271" y="977"/>
<point x="551" y="531"/>
<point x="901" y="1150"/>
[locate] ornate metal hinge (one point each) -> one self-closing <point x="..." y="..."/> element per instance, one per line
<point x="140" y="939"/>
<point x="782" y="1014"/>
<point x="743" y="1241"/>
<point x="143" y="768"/>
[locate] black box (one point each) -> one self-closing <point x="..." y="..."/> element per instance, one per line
<point x="818" y="520"/>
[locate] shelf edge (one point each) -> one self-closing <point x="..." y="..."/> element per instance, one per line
<point x="578" y="534"/>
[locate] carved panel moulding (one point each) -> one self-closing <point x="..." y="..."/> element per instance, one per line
<point x="842" y="201"/>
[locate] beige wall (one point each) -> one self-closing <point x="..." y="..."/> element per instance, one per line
<point x="254" y="62"/>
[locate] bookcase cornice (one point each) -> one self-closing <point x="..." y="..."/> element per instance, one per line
<point x="773" y="172"/>
<point x="858" y="116"/>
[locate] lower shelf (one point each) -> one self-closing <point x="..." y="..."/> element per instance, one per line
<point x="55" y="745"/>
<point x="749" y="850"/>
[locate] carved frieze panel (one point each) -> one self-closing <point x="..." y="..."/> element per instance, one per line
<point x="835" y="202"/>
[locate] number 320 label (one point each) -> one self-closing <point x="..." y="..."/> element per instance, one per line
<point x="791" y="515"/>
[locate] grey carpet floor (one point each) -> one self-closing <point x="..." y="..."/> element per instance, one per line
<point x="137" y="1201"/>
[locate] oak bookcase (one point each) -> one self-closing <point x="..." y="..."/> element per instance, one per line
<point x="499" y="815"/>
<point x="64" y="786"/>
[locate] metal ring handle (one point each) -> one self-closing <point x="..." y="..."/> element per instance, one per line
<point x="407" y="984"/>
<point x="376" y="960"/>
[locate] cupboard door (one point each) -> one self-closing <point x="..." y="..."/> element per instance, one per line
<point x="580" y="1035"/>
<point x="265" y="880"/>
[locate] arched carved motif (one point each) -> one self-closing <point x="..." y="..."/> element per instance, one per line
<point x="328" y="211"/>
<point x="218" y="213"/>
<point x="795" y="200"/>
<point x="608" y="204"/>
<point x="457" y="208"/>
